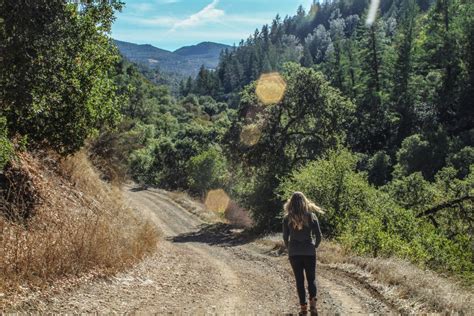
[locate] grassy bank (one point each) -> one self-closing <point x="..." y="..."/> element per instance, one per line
<point x="59" y="221"/>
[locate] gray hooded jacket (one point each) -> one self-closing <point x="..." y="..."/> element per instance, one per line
<point x="302" y="242"/>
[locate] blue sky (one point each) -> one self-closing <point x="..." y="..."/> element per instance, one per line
<point x="171" y="24"/>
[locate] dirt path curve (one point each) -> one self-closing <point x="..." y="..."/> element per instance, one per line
<point x="201" y="269"/>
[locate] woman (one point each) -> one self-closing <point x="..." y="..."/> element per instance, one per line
<point x="302" y="235"/>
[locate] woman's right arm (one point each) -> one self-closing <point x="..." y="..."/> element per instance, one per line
<point x="316" y="231"/>
<point x="286" y="232"/>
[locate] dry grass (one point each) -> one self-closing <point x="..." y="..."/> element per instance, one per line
<point x="217" y="209"/>
<point x="238" y="216"/>
<point x="407" y="286"/>
<point x="79" y="225"/>
<point x="419" y="289"/>
<point x="194" y="207"/>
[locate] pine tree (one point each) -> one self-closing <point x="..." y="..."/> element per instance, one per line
<point x="182" y="88"/>
<point x="373" y="127"/>
<point x="189" y="86"/>
<point x="337" y="26"/>
<point x="307" y="59"/>
<point x="402" y="95"/>
<point x="441" y="52"/>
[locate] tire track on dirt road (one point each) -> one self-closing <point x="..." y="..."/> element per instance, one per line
<point x="175" y="223"/>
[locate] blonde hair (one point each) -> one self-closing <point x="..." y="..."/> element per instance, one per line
<point x="298" y="208"/>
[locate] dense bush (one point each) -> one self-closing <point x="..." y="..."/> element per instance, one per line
<point x="207" y="170"/>
<point x="6" y="147"/>
<point x="333" y="184"/>
<point x="424" y="153"/>
<point x="379" y="168"/>
<point x="462" y="160"/>
<point x="372" y="222"/>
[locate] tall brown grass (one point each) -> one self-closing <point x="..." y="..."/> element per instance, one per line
<point x="79" y="224"/>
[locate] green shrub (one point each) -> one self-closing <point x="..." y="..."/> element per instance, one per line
<point x="6" y="147"/>
<point x="379" y="168"/>
<point x="332" y="183"/>
<point x="140" y="163"/>
<point x="423" y="153"/>
<point x="413" y="154"/>
<point x="207" y="170"/>
<point x="411" y="191"/>
<point x="462" y="160"/>
<point x="384" y="223"/>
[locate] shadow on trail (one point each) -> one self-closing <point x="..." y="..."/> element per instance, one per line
<point x="139" y="188"/>
<point x="220" y="234"/>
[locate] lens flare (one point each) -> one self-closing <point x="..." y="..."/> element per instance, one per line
<point x="374" y="6"/>
<point x="313" y="11"/>
<point x="270" y="88"/>
<point x="250" y="135"/>
<point x="217" y="200"/>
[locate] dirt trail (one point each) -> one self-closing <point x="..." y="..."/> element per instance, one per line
<point x="204" y="269"/>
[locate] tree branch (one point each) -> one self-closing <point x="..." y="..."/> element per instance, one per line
<point x="439" y="207"/>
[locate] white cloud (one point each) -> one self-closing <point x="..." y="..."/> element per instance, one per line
<point x="209" y="13"/>
<point x="169" y="21"/>
<point x="140" y="7"/>
<point x="160" y="21"/>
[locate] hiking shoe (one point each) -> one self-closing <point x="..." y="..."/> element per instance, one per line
<point x="312" y="306"/>
<point x="304" y="309"/>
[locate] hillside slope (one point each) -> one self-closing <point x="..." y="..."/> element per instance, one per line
<point x="202" y="49"/>
<point x="185" y="61"/>
<point x="77" y="227"/>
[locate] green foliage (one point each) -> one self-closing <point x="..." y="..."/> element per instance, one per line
<point x="111" y="150"/>
<point x="411" y="191"/>
<point x="403" y="95"/>
<point x="310" y="119"/>
<point x="139" y="152"/>
<point x="423" y="153"/>
<point x="371" y="222"/>
<point x="333" y="183"/>
<point x="207" y="170"/>
<point x="462" y="160"/>
<point x="6" y="147"/>
<point x="379" y="168"/>
<point x="56" y="59"/>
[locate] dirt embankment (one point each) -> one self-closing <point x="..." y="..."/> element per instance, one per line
<point x="60" y="225"/>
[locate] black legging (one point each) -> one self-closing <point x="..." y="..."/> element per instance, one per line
<point x="304" y="265"/>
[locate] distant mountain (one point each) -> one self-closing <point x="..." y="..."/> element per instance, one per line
<point x="208" y="49"/>
<point x="185" y="61"/>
